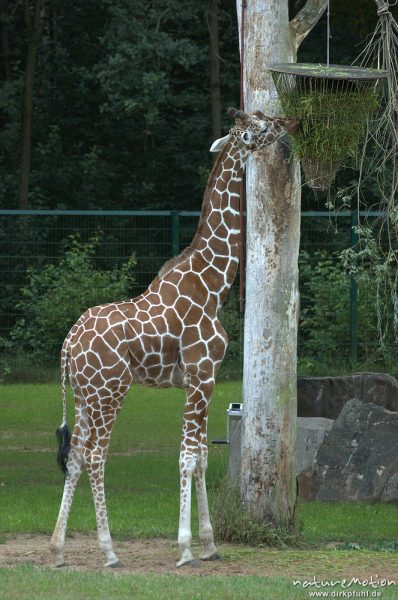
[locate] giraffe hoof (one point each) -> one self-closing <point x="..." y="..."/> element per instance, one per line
<point x="215" y="556"/>
<point x="116" y="565"/>
<point x="60" y="565"/>
<point x="188" y="563"/>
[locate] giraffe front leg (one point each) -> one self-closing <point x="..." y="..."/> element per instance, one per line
<point x="188" y="462"/>
<point x="206" y="536"/>
<point x="195" y="413"/>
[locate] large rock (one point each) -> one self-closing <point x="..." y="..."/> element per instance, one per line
<point x="358" y="460"/>
<point x="326" y="396"/>
<point x="390" y="492"/>
<point x="311" y="433"/>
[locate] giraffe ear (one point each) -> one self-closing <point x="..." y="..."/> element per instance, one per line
<point x="259" y="114"/>
<point x="219" y="144"/>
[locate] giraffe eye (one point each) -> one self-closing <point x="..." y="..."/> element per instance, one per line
<point x="247" y="137"/>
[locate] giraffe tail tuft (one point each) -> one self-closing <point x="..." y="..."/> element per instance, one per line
<point x="64" y="437"/>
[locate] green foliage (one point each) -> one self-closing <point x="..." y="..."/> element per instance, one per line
<point x="10" y="118"/>
<point x="324" y="300"/>
<point x="149" y="77"/>
<point x="121" y="104"/>
<point x="374" y="264"/>
<point x="232" y="320"/>
<point x="325" y="314"/>
<point x="125" y="87"/>
<point x="57" y="294"/>
<point x="324" y="326"/>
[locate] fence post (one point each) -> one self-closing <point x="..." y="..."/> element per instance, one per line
<point x="354" y="296"/>
<point x="175" y="232"/>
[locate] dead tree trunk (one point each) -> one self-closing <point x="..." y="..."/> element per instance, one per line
<point x="33" y="24"/>
<point x="268" y="476"/>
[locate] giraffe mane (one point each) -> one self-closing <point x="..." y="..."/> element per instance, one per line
<point x="206" y="208"/>
<point x="188" y="252"/>
<point x="170" y="264"/>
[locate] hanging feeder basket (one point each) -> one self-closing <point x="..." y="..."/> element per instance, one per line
<point x="332" y="104"/>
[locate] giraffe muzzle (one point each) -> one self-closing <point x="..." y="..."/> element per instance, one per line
<point x="291" y="125"/>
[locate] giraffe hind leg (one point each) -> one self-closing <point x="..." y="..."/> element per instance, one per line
<point x="73" y="467"/>
<point x="85" y="452"/>
<point x="102" y="413"/>
<point x="96" y="476"/>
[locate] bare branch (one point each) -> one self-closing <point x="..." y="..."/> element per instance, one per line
<point x="306" y="20"/>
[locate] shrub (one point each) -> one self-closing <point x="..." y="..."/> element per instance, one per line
<point x="232" y="321"/>
<point x="56" y="295"/>
<point x="325" y="311"/>
<point x="234" y="525"/>
<point x="324" y="326"/>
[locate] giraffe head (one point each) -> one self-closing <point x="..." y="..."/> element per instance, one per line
<point x="253" y="131"/>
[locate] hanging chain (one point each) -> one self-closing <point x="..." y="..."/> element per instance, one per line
<point x="328" y="36"/>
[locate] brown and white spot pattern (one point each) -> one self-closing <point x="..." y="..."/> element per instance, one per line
<point x="168" y="336"/>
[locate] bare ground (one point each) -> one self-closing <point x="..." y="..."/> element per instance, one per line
<point x="159" y="555"/>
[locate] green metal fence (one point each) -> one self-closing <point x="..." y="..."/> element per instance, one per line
<point x="332" y="326"/>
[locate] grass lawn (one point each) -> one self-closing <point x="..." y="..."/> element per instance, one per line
<point x="143" y="494"/>
<point x="26" y="582"/>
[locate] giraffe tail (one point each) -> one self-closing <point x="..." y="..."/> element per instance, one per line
<point x="63" y="432"/>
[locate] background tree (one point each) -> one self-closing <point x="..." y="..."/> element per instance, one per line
<point x="33" y="23"/>
<point x="122" y="99"/>
<point x="215" y="86"/>
<point x="5" y="17"/>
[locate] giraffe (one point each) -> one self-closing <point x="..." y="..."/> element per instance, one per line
<point x="168" y="336"/>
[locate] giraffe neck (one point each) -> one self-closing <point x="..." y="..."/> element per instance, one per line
<point x="218" y="235"/>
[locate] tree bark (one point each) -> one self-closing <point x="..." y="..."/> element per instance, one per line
<point x="215" y="91"/>
<point x="268" y="473"/>
<point x="33" y="24"/>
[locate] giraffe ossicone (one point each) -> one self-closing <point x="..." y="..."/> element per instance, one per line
<point x="168" y="336"/>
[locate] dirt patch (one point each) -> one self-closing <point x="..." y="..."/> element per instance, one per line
<point x="82" y="553"/>
<point x="159" y="555"/>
